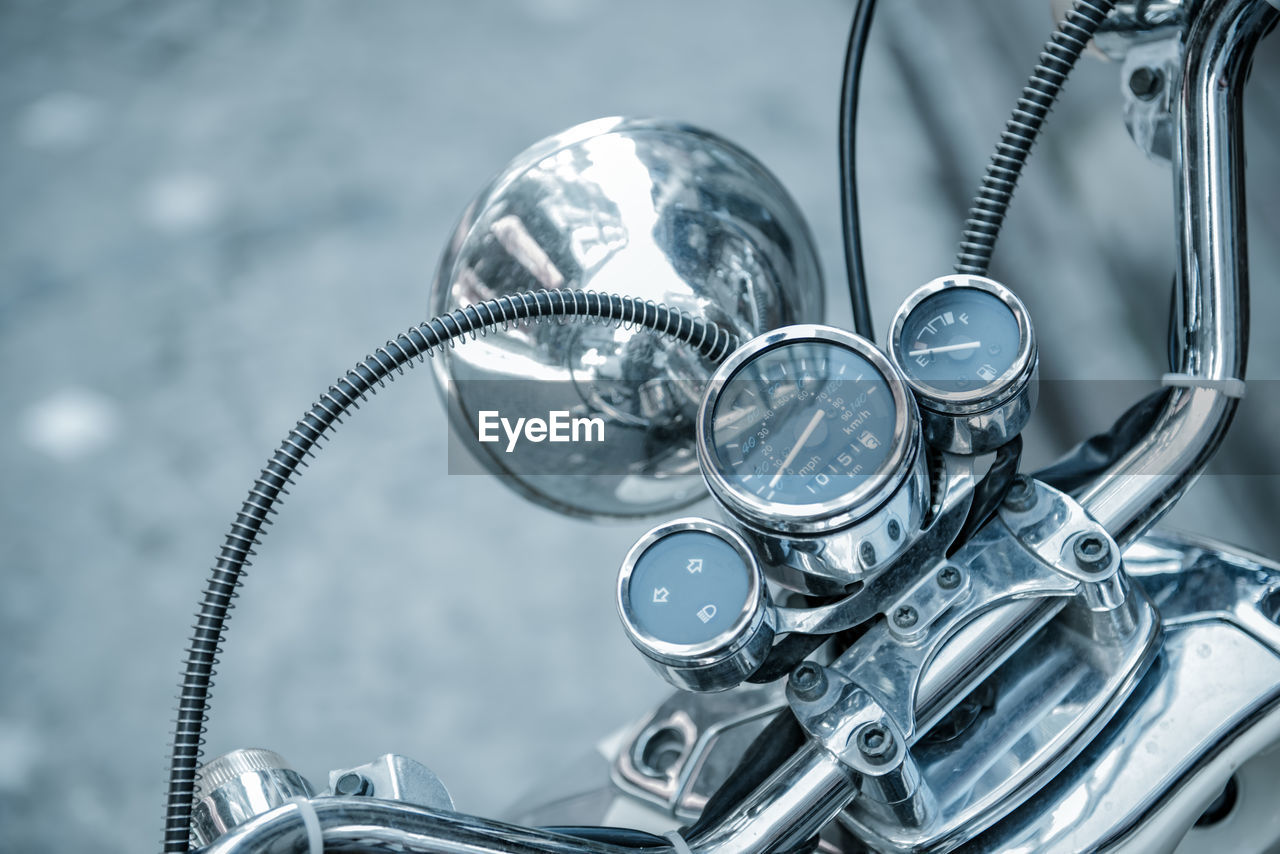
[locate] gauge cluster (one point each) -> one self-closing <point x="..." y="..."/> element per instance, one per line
<point x="828" y="455"/>
<point x="830" y="459"/>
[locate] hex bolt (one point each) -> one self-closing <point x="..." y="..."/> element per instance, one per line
<point x="809" y="681"/>
<point x="875" y="743"/>
<point x="1092" y="552"/>
<point x="949" y="578"/>
<point x="1021" y="494"/>
<point x="895" y="530"/>
<point x="867" y="553"/>
<point x="905" y="617"/>
<point x="352" y="784"/>
<point x="1145" y="82"/>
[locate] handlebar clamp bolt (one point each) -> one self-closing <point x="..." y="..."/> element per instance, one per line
<point x="809" y="681"/>
<point x="1145" y="83"/>
<point x="905" y="617"/>
<point x="1092" y="552"/>
<point x="875" y="743"/>
<point x="1021" y="495"/>
<point x="352" y="784"/>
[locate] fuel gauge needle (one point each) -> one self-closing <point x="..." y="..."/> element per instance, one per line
<point x="948" y="348"/>
<point x="804" y="437"/>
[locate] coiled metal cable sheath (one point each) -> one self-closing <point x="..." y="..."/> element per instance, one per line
<point x="1058" y="57"/>
<point x="710" y="340"/>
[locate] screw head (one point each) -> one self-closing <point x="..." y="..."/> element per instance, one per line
<point x="875" y="743"/>
<point x="352" y="784"/>
<point x="905" y="617"/>
<point x="808" y="680"/>
<point x="895" y="530"/>
<point x="1145" y="83"/>
<point x="1021" y="494"/>
<point x="949" y="578"/>
<point x="867" y="553"/>
<point x="1092" y="552"/>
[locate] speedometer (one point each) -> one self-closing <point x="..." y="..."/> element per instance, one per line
<point x="806" y="429"/>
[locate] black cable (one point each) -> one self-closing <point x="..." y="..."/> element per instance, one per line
<point x="775" y="744"/>
<point x="1056" y="60"/>
<point x="621" y="836"/>
<point x="785" y="655"/>
<point x="990" y="491"/>
<point x="711" y="341"/>
<point x="1082" y="465"/>
<point x="853" y="261"/>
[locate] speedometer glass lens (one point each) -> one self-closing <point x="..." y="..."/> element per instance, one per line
<point x="808" y="422"/>
<point x="959" y="340"/>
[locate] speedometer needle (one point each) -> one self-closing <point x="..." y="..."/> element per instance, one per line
<point x="948" y="348"/>
<point x="804" y="437"/>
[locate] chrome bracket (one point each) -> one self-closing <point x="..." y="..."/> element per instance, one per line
<point x="392" y="777"/>
<point x="1042" y="618"/>
<point x="941" y="530"/>
<point x="853" y="727"/>
<point x="677" y="757"/>
<point x="1148" y="83"/>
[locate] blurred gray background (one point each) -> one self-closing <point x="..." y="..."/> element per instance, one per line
<point x="211" y="210"/>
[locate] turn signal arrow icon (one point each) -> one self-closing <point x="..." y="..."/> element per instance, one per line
<point x="695" y="565"/>
<point x="660" y="594"/>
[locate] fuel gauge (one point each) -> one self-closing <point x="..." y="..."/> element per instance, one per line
<point x="966" y="347"/>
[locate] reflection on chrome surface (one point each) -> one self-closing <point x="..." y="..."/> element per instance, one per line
<point x="644" y="208"/>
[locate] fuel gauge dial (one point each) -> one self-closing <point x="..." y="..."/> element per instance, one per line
<point x="967" y="349"/>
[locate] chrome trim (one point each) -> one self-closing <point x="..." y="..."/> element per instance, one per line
<point x="1011" y="382"/>
<point x="377" y="823"/>
<point x="952" y="508"/>
<point x="820" y="517"/>
<point x="833" y="563"/>
<point x="982" y="431"/>
<point x="984" y="419"/>
<point x="1213" y="307"/>
<point x="237" y="786"/>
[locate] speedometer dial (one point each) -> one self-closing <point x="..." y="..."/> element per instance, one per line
<point x="804" y="423"/>
<point x="805" y="427"/>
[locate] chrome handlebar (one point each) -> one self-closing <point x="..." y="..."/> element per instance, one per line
<point x="1213" y="305"/>
<point x="396" y="826"/>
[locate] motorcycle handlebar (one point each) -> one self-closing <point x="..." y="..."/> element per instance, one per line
<point x="1208" y="168"/>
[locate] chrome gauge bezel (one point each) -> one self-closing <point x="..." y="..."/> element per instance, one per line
<point x="723" y="644"/>
<point x="773" y="517"/>
<point x="995" y="393"/>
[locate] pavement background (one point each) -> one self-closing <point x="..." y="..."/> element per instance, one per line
<point x="211" y="210"/>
